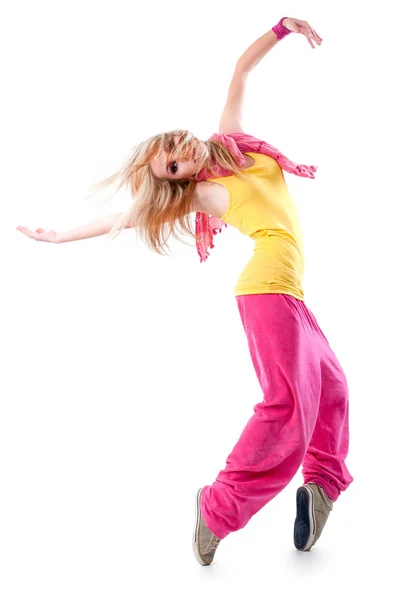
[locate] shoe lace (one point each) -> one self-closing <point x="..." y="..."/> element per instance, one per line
<point x="328" y="500"/>
<point x="214" y="543"/>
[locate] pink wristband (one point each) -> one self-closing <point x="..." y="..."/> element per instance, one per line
<point x="280" y="30"/>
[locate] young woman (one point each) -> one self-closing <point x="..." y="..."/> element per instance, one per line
<point x="234" y="178"/>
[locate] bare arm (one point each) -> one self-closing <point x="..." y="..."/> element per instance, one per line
<point x="254" y="54"/>
<point x="91" y="229"/>
<point x="231" y="118"/>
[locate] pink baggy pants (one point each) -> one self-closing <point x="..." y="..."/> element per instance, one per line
<point x="302" y="419"/>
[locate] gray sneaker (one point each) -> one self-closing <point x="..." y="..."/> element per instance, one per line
<point x="204" y="542"/>
<point x="313" y="509"/>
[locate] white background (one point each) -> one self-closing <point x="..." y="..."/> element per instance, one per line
<point x="126" y="377"/>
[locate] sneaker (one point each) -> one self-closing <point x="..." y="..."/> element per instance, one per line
<point x="313" y="509"/>
<point x="204" y="542"/>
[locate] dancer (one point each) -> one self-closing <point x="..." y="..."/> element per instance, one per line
<point x="236" y="179"/>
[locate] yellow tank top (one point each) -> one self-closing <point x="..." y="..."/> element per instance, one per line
<point x="261" y="207"/>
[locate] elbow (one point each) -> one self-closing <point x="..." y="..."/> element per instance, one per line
<point x="241" y="67"/>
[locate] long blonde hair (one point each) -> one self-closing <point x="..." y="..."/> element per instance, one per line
<point x="161" y="206"/>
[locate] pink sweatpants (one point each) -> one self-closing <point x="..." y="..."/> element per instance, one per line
<point x="302" y="419"/>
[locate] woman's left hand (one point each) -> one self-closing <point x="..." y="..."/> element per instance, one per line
<point x="298" y="26"/>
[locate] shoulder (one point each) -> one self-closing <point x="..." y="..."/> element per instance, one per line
<point x="202" y="194"/>
<point x="208" y="195"/>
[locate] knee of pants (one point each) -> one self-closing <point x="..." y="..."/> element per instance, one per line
<point x="287" y="454"/>
<point x="334" y="397"/>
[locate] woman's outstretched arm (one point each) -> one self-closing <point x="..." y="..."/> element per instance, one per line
<point x="92" y="229"/>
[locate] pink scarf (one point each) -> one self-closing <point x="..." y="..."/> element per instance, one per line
<point x="207" y="225"/>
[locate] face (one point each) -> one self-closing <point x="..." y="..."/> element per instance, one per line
<point x="165" y="168"/>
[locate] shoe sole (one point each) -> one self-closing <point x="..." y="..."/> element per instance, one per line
<point x="196" y="530"/>
<point x="305" y="524"/>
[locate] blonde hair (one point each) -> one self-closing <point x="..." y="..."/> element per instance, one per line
<point x="161" y="206"/>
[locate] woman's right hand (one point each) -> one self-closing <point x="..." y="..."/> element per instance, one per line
<point x="40" y="234"/>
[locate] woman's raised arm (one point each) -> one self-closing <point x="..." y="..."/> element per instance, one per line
<point x="231" y="117"/>
<point x="253" y="55"/>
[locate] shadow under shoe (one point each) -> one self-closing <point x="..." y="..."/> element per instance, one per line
<point x="204" y="543"/>
<point x="313" y="509"/>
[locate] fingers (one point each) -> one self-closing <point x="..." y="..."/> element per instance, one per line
<point x="316" y="38"/>
<point x="312" y="36"/>
<point x="313" y="39"/>
<point x="309" y="38"/>
<point x="23" y="229"/>
<point x="28" y="232"/>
